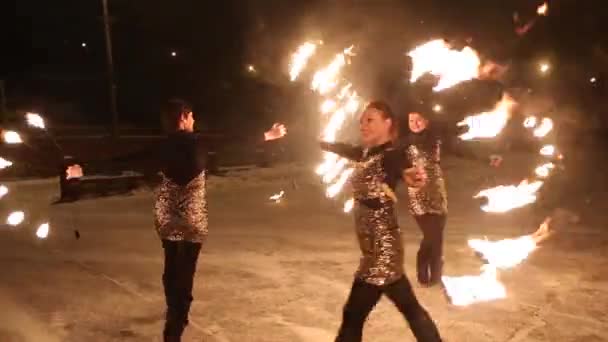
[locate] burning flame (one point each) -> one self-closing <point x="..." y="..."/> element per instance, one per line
<point x="327" y="79"/>
<point x="348" y="205"/>
<point x="439" y="59"/>
<point x="278" y="197"/>
<point x="5" y="163"/>
<point x="509" y="253"/>
<point x="546" y="125"/>
<point x="504" y="198"/>
<point x="544" y="170"/>
<point x="15" y="218"/>
<point x="530" y="122"/>
<point x="328" y="105"/>
<point x="467" y="290"/>
<point x="300" y="58"/>
<point x="35" y="120"/>
<point x="11" y="137"/>
<point x="488" y="124"/>
<point x="542" y="9"/>
<point x="547" y="150"/>
<point x="335" y="188"/>
<point x="43" y="231"/>
<point x="3" y="190"/>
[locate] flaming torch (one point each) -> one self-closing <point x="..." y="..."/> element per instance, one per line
<point x="467" y="290"/>
<point x="438" y="58"/>
<point x="300" y="59"/>
<point x="488" y="124"/>
<point x="504" y="198"/>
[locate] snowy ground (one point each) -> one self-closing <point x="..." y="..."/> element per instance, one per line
<point x="277" y="272"/>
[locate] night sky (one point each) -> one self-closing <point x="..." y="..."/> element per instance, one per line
<point x="46" y="66"/>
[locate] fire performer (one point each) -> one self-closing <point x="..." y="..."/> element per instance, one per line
<point x="378" y="168"/>
<point x="429" y="204"/>
<point x="181" y="207"/>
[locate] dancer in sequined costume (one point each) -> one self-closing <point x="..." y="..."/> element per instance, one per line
<point x="378" y="168"/>
<point x="428" y="204"/>
<point x="180" y="209"/>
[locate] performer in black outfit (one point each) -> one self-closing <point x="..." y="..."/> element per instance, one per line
<point x="378" y="168"/>
<point x="181" y="207"/>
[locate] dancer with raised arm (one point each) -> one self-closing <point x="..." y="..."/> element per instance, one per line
<point x="379" y="166"/>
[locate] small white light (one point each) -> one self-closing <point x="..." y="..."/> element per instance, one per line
<point x="15" y="218"/>
<point x="84" y="45"/>
<point x="11" y="137"/>
<point x="173" y="54"/>
<point x="544" y="67"/>
<point x="593" y="80"/>
<point x="43" y="231"/>
<point x="437" y="108"/>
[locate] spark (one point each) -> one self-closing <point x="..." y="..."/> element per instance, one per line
<point x="35" y="120"/>
<point x="173" y="54"/>
<point x="544" y="67"/>
<point x="5" y="163"/>
<point x="251" y="68"/>
<point x="593" y="80"/>
<point x="530" y="122"/>
<point x="348" y="205"/>
<point x="15" y="218"/>
<point x="300" y="59"/>
<point x="544" y="170"/>
<point x="43" y="231"/>
<point x="546" y="125"/>
<point x="278" y="196"/>
<point x="11" y="137"/>
<point x="3" y="190"/>
<point x="437" y="108"/>
<point x="84" y="45"/>
<point x="547" y="150"/>
<point x="543" y="9"/>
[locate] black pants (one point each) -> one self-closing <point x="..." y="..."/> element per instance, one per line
<point x="178" y="276"/>
<point x="362" y="299"/>
<point x="430" y="255"/>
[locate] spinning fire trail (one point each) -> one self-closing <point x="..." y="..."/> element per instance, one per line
<point x="453" y="67"/>
<point x="339" y="102"/>
<point x="16" y="218"/>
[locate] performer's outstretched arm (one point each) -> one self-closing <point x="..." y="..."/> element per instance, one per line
<point x="343" y="150"/>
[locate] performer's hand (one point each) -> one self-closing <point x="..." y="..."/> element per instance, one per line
<point x="73" y="171"/>
<point x="414" y="177"/>
<point x="276" y="132"/>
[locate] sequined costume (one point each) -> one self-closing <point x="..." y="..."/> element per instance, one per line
<point x="380" y="272"/>
<point x="181" y="211"/>
<point x="377" y="171"/>
<point x="423" y="150"/>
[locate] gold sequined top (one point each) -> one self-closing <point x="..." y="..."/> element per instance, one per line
<point x="376" y="174"/>
<point x="424" y="151"/>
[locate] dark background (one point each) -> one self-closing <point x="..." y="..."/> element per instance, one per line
<point x="47" y="70"/>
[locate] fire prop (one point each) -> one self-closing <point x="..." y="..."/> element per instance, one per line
<point x="438" y="58"/>
<point x="11" y="137"/>
<point x="509" y="253"/>
<point x="488" y="124"/>
<point x="467" y="290"/>
<point x="502" y="254"/>
<point x="339" y="102"/>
